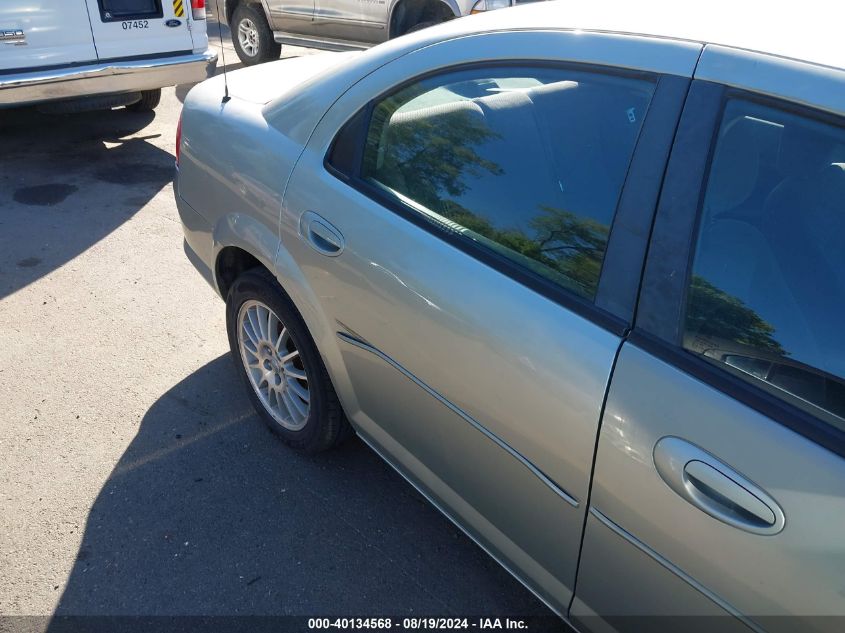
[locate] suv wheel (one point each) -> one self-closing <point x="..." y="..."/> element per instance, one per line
<point x="252" y="37"/>
<point x="279" y="363"/>
<point x="422" y="25"/>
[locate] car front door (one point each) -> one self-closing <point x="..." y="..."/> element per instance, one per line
<point x="362" y="21"/>
<point x="128" y="28"/>
<point x="291" y="16"/>
<point x="36" y="33"/>
<point x="720" y="481"/>
<point x="460" y="243"/>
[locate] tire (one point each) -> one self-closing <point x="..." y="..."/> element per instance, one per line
<point x="148" y="102"/>
<point x="249" y="27"/>
<point x="421" y="26"/>
<point x="89" y="104"/>
<point x="323" y="424"/>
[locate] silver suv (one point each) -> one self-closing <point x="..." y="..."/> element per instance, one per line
<point x="259" y="28"/>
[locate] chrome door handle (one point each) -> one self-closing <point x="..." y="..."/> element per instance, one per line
<point x="320" y="234"/>
<point x="716" y="488"/>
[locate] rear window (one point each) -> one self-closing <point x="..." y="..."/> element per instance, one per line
<point x="111" y="10"/>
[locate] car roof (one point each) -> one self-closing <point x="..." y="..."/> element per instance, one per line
<point x="717" y="35"/>
<point x="809" y="31"/>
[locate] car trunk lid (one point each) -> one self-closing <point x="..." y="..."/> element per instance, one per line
<point x="263" y="83"/>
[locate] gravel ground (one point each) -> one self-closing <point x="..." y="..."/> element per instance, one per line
<point x="135" y="478"/>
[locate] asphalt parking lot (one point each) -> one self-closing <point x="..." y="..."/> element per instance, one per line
<point x="135" y="478"/>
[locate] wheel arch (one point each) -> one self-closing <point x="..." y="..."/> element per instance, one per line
<point x="231" y="263"/>
<point x="229" y="7"/>
<point x="404" y="14"/>
<point x="242" y="243"/>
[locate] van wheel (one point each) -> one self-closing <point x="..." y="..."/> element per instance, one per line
<point x="88" y="104"/>
<point x="148" y="101"/>
<point x="280" y="365"/>
<point x="252" y="37"/>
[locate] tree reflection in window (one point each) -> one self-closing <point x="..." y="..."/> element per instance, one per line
<point x="564" y="247"/>
<point x="721" y="328"/>
<point x="437" y="154"/>
<point x="714" y="314"/>
<point x="427" y="156"/>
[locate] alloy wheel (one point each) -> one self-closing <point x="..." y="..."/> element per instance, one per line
<point x="273" y="365"/>
<point x="248" y="37"/>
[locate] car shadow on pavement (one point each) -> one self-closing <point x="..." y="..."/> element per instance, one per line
<point x="67" y="181"/>
<point x="207" y="513"/>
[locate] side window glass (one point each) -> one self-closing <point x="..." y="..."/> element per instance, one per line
<point x="526" y="162"/>
<point x="766" y="297"/>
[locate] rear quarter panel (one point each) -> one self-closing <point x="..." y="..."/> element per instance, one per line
<point x="233" y="170"/>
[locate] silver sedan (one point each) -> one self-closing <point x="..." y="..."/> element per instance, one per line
<point x="577" y="273"/>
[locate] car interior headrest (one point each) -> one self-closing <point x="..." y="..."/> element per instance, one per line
<point x="504" y="100"/>
<point x="436" y="111"/>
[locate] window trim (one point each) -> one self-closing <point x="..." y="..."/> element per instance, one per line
<point x="614" y="303"/>
<point x="630" y="231"/>
<point x="658" y="327"/>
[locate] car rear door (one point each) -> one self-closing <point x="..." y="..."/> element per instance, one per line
<point x="719" y="485"/>
<point x="131" y="28"/>
<point x="43" y="33"/>
<point x="474" y="268"/>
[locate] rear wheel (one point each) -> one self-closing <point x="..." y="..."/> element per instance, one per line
<point x="277" y="359"/>
<point x="148" y="102"/>
<point x="252" y="37"/>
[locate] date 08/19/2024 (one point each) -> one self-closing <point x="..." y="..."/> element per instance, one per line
<point x="413" y="624"/>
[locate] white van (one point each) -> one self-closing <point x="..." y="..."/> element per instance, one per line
<point x="79" y="55"/>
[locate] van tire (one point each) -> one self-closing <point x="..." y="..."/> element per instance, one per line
<point x="148" y="102"/>
<point x="254" y="20"/>
<point x="88" y="104"/>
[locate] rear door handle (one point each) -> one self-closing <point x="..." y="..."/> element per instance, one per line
<point x="320" y="234"/>
<point x="716" y="488"/>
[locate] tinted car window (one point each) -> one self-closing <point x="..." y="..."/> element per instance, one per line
<point x="118" y="8"/>
<point x="526" y="162"/>
<point x="767" y="294"/>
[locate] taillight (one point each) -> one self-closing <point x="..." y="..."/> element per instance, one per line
<point x="178" y="139"/>
<point x="198" y="9"/>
